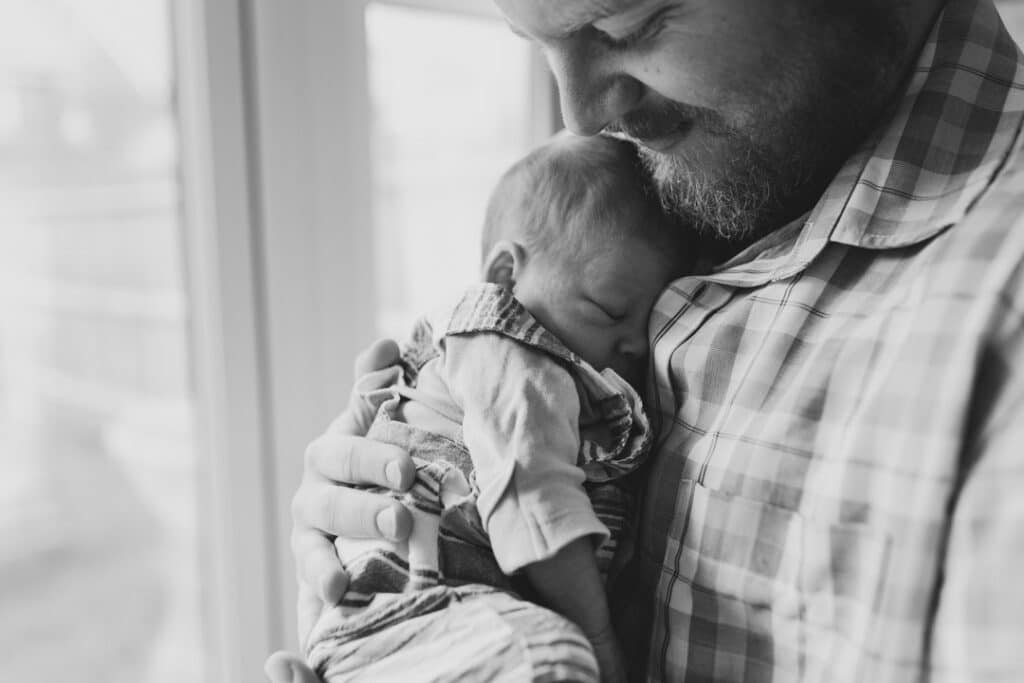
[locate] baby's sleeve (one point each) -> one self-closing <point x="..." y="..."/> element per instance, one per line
<point x="521" y="427"/>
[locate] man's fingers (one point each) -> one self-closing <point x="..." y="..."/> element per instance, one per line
<point x="361" y="409"/>
<point x="355" y="460"/>
<point x="375" y="368"/>
<point x="284" y="667"/>
<point x="318" y="566"/>
<point x="309" y="608"/>
<point x="351" y="513"/>
<point x="321" y="509"/>
<point x="383" y="353"/>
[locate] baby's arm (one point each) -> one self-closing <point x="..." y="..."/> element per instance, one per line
<point x="521" y="425"/>
<point x="570" y="584"/>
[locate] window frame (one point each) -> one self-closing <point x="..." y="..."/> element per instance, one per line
<point x="228" y="357"/>
<point x="278" y="221"/>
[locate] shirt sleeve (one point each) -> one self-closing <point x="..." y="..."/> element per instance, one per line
<point x="521" y="427"/>
<point x="978" y="630"/>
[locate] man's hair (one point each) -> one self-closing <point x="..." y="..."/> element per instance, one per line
<point x="576" y="193"/>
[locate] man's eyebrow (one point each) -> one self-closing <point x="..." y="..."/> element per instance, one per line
<point x="576" y="21"/>
<point x="564" y="31"/>
<point x="638" y="11"/>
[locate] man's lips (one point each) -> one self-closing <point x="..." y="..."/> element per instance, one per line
<point x="663" y="144"/>
<point x="658" y="132"/>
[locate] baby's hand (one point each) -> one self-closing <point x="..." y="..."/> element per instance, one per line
<point x="570" y="584"/>
<point x="609" y="655"/>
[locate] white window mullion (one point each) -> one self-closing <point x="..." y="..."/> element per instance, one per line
<point x="230" y="378"/>
<point x="315" y="231"/>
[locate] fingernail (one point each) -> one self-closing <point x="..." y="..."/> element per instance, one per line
<point x="278" y="670"/>
<point x="332" y="587"/>
<point x="387" y="523"/>
<point x="394" y="474"/>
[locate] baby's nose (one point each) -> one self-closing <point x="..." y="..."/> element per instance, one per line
<point x="634" y="345"/>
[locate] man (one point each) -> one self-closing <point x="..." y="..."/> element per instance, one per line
<point x="841" y="400"/>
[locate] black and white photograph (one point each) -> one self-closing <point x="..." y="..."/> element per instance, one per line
<point x="512" y="341"/>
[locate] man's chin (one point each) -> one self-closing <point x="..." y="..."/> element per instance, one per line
<point x="704" y="197"/>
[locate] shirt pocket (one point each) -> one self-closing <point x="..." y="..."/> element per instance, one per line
<point x="843" y="574"/>
<point x="806" y="591"/>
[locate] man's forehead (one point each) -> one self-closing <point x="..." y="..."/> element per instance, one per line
<point x="555" y="18"/>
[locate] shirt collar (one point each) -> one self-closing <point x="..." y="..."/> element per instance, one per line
<point x="921" y="171"/>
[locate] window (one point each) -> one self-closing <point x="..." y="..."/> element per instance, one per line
<point x="450" y="112"/>
<point x="190" y="194"/>
<point x="99" y="498"/>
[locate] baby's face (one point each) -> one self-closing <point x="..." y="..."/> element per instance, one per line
<point x="598" y="303"/>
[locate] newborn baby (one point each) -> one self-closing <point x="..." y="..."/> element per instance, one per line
<point x="517" y="406"/>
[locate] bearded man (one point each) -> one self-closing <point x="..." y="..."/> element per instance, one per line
<point x="835" y="492"/>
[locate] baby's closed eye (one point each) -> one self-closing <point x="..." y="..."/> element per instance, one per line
<point x="606" y="312"/>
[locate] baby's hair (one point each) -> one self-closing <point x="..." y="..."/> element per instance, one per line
<point x="574" y="190"/>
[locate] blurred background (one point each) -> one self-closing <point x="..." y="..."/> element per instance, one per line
<point x="206" y="210"/>
<point x="172" y="187"/>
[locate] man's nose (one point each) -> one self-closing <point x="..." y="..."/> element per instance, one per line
<point x="592" y="88"/>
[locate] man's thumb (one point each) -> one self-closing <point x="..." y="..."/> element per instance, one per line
<point x="284" y="667"/>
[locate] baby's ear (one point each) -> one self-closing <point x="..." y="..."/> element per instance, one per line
<point x="502" y="264"/>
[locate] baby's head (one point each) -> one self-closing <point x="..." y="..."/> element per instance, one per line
<point x="578" y="235"/>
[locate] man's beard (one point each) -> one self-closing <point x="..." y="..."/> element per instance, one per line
<point x="774" y="168"/>
<point x="736" y="198"/>
<point x="736" y="202"/>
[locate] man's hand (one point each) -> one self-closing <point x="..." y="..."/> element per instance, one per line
<point x="284" y="667"/>
<point x="322" y="510"/>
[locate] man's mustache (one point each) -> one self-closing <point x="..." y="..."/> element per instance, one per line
<point x="666" y="119"/>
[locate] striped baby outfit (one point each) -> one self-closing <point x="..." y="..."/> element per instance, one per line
<point x="487" y="501"/>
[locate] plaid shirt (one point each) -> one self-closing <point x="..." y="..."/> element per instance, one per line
<point x="837" y="493"/>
